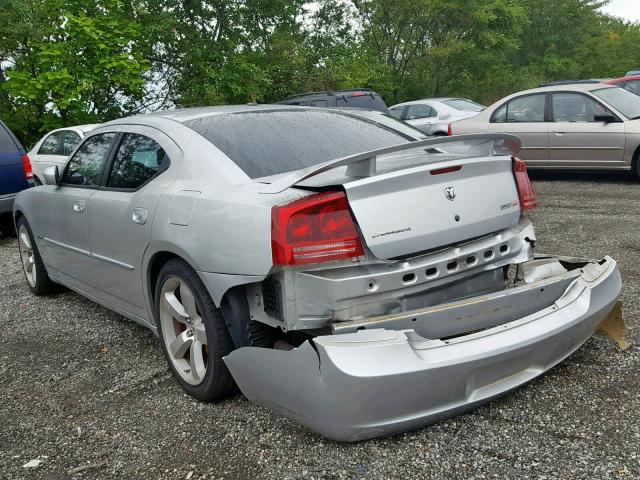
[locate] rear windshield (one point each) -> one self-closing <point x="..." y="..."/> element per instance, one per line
<point x="264" y="143"/>
<point x="6" y="140"/>
<point x="366" y="100"/>
<point x="462" y="104"/>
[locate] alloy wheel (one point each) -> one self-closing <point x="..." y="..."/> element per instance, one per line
<point x="26" y="255"/>
<point x="183" y="330"/>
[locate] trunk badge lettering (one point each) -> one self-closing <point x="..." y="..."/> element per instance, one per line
<point x="450" y="193"/>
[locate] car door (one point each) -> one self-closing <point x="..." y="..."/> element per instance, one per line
<point x="525" y="117"/>
<point x="63" y="212"/>
<point x="121" y="214"/>
<point x="423" y="117"/>
<point x="578" y="139"/>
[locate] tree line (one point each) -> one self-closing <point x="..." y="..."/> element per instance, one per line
<point x="66" y="62"/>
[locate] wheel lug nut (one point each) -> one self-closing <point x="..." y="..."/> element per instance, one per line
<point x="189" y="333"/>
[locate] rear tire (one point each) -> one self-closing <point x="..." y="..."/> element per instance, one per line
<point x="32" y="265"/>
<point x="193" y="333"/>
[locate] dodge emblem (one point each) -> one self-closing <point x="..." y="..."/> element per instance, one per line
<point x="450" y="193"/>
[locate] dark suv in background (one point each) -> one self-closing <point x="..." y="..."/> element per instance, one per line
<point x="357" y="98"/>
<point x="15" y="175"/>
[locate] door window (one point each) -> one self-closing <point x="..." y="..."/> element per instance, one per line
<point x="527" y="109"/>
<point x="573" y="107"/>
<point x="70" y="142"/>
<point x="633" y="86"/>
<point x="52" y="145"/>
<point x="421" y="111"/>
<point x="138" y="159"/>
<point x="86" y="166"/>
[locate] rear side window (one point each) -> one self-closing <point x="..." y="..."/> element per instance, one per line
<point x="6" y="140"/>
<point x="264" y="143"/>
<point x="86" y="166"/>
<point x="527" y="109"/>
<point x="53" y="144"/>
<point x="633" y="86"/>
<point x="396" y="112"/>
<point x="137" y="161"/>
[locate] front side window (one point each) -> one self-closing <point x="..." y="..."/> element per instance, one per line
<point x="52" y="145"/>
<point x="420" y="111"/>
<point x="70" y="142"/>
<point x="86" y="166"/>
<point x="527" y="109"/>
<point x="573" y="107"/>
<point x="137" y="160"/>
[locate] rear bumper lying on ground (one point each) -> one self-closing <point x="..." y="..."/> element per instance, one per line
<point x="379" y="381"/>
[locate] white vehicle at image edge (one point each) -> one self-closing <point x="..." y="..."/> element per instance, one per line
<point x="433" y="115"/>
<point x="336" y="268"/>
<point x="55" y="147"/>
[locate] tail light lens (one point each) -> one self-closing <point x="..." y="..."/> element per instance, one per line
<point x="314" y="229"/>
<point x="523" y="183"/>
<point x="26" y="166"/>
<point x="449" y="130"/>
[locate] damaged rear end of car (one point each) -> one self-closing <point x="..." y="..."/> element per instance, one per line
<point x="405" y="290"/>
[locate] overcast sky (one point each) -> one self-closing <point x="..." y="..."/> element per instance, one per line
<point x="627" y="9"/>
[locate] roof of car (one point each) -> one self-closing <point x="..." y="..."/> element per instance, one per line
<point x="186" y="114"/>
<point x="616" y="81"/>
<point x="329" y="92"/>
<point x="576" y="87"/>
<point x="422" y="100"/>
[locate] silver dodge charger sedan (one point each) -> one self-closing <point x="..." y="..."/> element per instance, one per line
<point x="336" y="268"/>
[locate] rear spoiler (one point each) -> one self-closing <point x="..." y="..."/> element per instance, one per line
<point x="364" y="164"/>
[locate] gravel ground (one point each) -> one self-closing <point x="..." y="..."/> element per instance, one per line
<point x="83" y="387"/>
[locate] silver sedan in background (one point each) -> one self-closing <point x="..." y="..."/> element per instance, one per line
<point x="433" y="115"/>
<point x="575" y="126"/>
<point x="334" y="267"/>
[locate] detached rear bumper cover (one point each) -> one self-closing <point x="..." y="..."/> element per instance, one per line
<point x="380" y="382"/>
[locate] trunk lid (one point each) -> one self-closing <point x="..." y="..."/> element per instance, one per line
<point x="408" y="211"/>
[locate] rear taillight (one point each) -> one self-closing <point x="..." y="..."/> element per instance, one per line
<point x="26" y="166"/>
<point x="449" y="130"/>
<point x="314" y="229"/>
<point x="525" y="190"/>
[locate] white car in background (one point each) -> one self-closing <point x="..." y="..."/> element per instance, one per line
<point x="433" y="115"/>
<point x="55" y="147"/>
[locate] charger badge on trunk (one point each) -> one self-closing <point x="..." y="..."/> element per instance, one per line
<point x="450" y="193"/>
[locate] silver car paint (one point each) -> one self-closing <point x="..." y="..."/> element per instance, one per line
<point x="439" y="124"/>
<point x="379" y="382"/>
<point x="203" y="193"/>
<point x="583" y="145"/>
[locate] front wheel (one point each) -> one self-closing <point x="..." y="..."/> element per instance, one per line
<point x="193" y="333"/>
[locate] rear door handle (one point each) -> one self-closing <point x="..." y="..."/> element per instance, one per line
<point x="78" y="206"/>
<point x="139" y="215"/>
<point x="559" y="134"/>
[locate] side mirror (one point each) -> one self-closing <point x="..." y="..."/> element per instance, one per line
<point x="606" y="118"/>
<point x="51" y="175"/>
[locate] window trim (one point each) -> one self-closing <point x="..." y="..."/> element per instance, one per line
<point x="111" y="161"/>
<point x="547" y="99"/>
<point x="584" y="94"/>
<point x="101" y="176"/>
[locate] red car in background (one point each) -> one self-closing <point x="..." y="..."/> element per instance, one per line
<point x="629" y="83"/>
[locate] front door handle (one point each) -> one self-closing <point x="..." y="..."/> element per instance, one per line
<point x="559" y="134"/>
<point x="139" y="216"/>
<point x="78" y="206"/>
